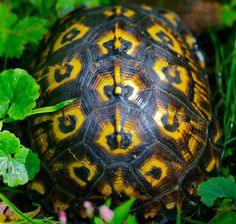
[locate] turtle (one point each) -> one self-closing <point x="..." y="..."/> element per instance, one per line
<point x="141" y="124"/>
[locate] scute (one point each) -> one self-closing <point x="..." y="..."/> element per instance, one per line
<point x="142" y="124"/>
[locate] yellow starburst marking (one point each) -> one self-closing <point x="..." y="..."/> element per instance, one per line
<point x="76" y="112"/>
<point x="201" y="97"/>
<point x="171" y="18"/>
<point x="117" y="75"/>
<point x="183" y="128"/>
<point x="119" y="33"/>
<point x="135" y="83"/>
<point x="118" y="125"/>
<point x="108" y="12"/>
<point x="129" y="13"/>
<point x="120" y="187"/>
<point x="212" y="164"/>
<point x="218" y="134"/>
<point x="184" y="84"/>
<point x="190" y="40"/>
<point x="40" y="134"/>
<point x="100" y="84"/>
<point x="104" y="39"/>
<point x="60" y="205"/>
<point x="146" y="7"/>
<point x="182" y="87"/>
<point x="158" y="67"/>
<point x="171" y="205"/>
<point x="57" y="166"/>
<point x="38" y="187"/>
<point x="108" y="129"/>
<point x="118" y="10"/>
<point x="82" y="30"/>
<point x="146" y="168"/>
<point x="62" y="70"/>
<point x="156" y="28"/>
<point x="88" y="165"/>
<point x="105" y="190"/>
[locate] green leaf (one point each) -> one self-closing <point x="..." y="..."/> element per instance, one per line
<point x="108" y="202"/>
<point x="131" y="219"/>
<point x="97" y="220"/>
<point x="18" y="164"/>
<point x="18" y="92"/>
<point x="224" y="218"/>
<point x="31" y="29"/>
<point x="217" y="187"/>
<point x="15" y="34"/>
<point x="122" y="211"/>
<point x="228" y="16"/>
<point x="64" y="6"/>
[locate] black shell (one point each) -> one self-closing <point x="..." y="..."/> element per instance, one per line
<point x="141" y="125"/>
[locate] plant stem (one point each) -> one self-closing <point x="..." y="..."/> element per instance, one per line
<point x="15" y="209"/>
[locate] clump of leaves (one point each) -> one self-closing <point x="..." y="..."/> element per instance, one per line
<point x="219" y="188"/>
<point x="228" y="13"/>
<point x="215" y="188"/>
<point x="15" y="33"/>
<point x="18" y="93"/>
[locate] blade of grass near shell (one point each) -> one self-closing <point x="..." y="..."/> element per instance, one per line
<point x="15" y="209"/>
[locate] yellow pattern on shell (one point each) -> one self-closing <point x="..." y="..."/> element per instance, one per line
<point x="120" y="186"/>
<point x="119" y="33"/>
<point x="108" y="129"/>
<point x="128" y="13"/>
<point x="108" y="12"/>
<point x="105" y="190"/>
<point x="148" y="165"/>
<point x="84" y="162"/>
<point x="76" y="64"/>
<point x="171" y="17"/>
<point x="101" y="82"/>
<point x="135" y="83"/>
<point x="117" y="76"/>
<point x="146" y="7"/>
<point x="171" y="205"/>
<point x="213" y="163"/>
<point x="201" y="97"/>
<point x="60" y="205"/>
<point x="184" y="83"/>
<point x="158" y="66"/>
<point x="73" y="110"/>
<point x="156" y="28"/>
<point x="38" y="187"/>
<point x="181" y="131"/>
<point x="81" y="28"/>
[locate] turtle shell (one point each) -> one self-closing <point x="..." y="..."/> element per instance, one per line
<point x="141" y="125"/>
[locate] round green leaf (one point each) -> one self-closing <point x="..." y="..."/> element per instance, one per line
<point x="9" y="144"/>
<point x="217" y="187"/>
<point x="18" y="164"/>
<point x="18" y="92"/>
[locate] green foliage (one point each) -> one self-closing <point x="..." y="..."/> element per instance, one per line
<point x="24" y="217"/>
<point x="15" y="33"/>
<point x="18" y="92"/>
<point x="228" y="13"/>
<point x="18" y="164"/>
<point x="122" y="211"/>
<point x="217" y="187"/>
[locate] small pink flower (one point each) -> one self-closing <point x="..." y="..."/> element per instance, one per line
<point x="89" y="209"/>
<point x="106" y="213"/>
<point x="62" y="217"/>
